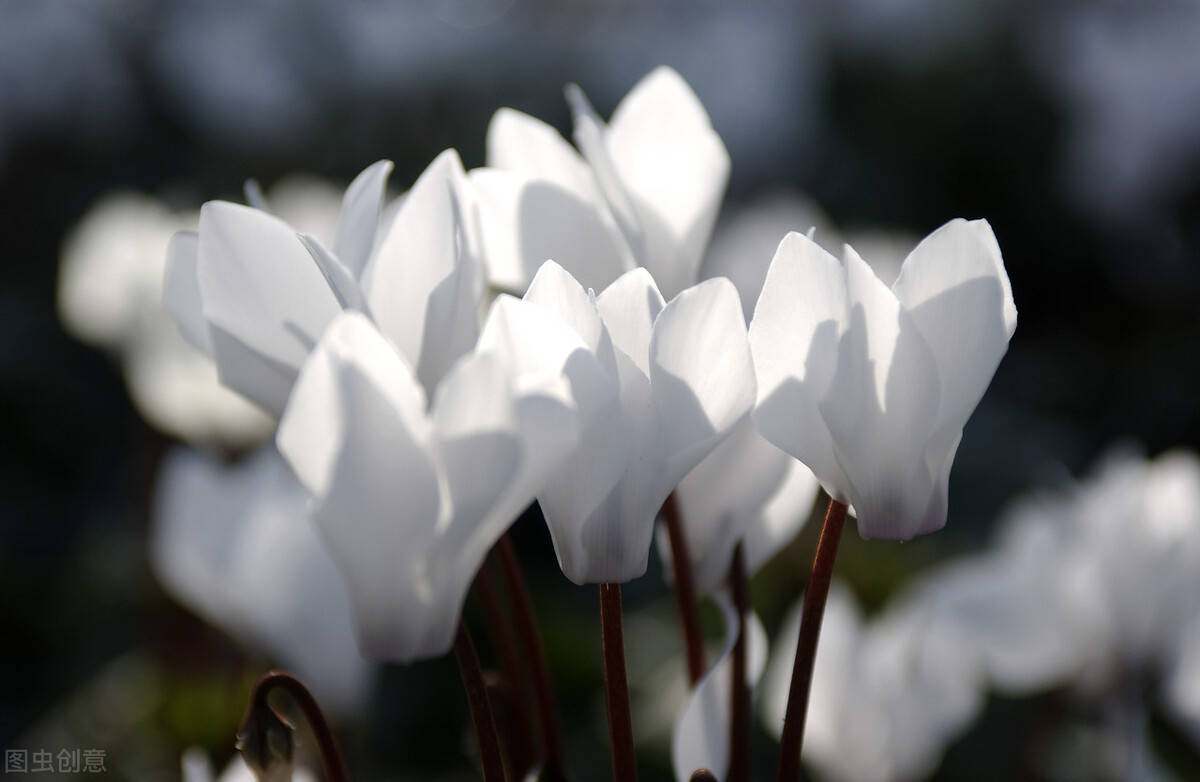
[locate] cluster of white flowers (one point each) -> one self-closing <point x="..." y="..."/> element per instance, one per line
<point x="1096" y="589"/>
<point x="422" y="405"/>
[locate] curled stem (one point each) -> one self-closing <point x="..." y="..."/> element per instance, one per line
<point x="616" y="685"/>
<point x="739" y="721"/>
<point x="806" y="646"/>
<point x="260" y="713"/>
<point x="481" y="710"/>
<point x="685" y="589"/>
<point x="554" y="768"/>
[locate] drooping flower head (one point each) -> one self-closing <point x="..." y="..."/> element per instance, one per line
<point x="871" y="386"/>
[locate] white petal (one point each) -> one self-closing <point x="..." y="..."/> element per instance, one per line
<point x="520" y="143"/>
<point x="881" y="409"/>
<point x="674" y="168"/>
<point x="359" y="217"/>
<point x="266" y="302"/>
<point x="555" y="290"/>
<point x="784" y="515"/>
<point x="181" y="289"/>
<point x="723" y="495"/>
<point x="313" y="429"/>
<point x="340" y="279"/>
<point x="794" y="336"/>
<point x="629" y="308"/>
<point x="377" y="500"/>
<point x="701" y="372"/>
<point x="525" y="220"/>
<point x="701" y="738"/>
<point x="421" y="283"/>
<point x="955" y="288"/>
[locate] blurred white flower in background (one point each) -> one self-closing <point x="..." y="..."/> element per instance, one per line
<point x="235" y="544"/>
<point x="196" y="766"/>
<point x="110" y="295"/>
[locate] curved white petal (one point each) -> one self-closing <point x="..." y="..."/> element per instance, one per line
<point x="701" y="738"/>
<point x="555" y="290"/>
<point x="956" y="291"/>
<point x="723" y="496"/>
<point x="359" y="218"/>
<point x="525" y="220"/>
<point x="881" y="408"/>
<point x="701" y="373"/>
<point x="520" y="143"/>
<point x="421" y="283"/>
<point x="340" y="279"/>
<point x="181" y="289"/>
<point x="377" y="491"/>
<point x="265" y="300"/>
<point x="785" y="513"/>
<point x="674" y="168"/>
<point x="629" y="308"/>
<point x="794" y="337"/>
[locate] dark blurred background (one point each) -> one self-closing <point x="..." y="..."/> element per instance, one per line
<point x="1073" y="126"/>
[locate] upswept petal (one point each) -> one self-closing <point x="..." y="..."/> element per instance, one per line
<point x="524" y="144"/>
<point x="701" y="373"/>
<point x="722" y="496"/>
<point x="881" y="409"/>
<point x="341" y="280"/>
<point x="674" y="168"/>
<point x="798" y="320"/>
<point x="956" y="276"/>
<point x="376" y="488"/>
<point x="701" y="738"/>
<point x="557" y="291"/>
<point x="524" y="220"/>
<point x="359" y="218"/>
<point x="421" y="283"/>
<point x="629" y="308"/>
<point x="181" y="289"/>
<point x="265" y="300"/>
<point x="313" y="430"/>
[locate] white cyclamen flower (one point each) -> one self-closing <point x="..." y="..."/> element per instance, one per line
<point x="258" y="296"/>
<point x="871" y="386"/>
<point x="645" y="192"/>
<point x="236" y="546"/>
<point x="414" y="483"/>
<point x="685" y="379"/>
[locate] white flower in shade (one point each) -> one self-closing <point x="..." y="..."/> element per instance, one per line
<point x="871" y="386"/>
<point x="234" y="544"/>
<point x="110" y="291"/>
<point x="1182" y="685"/>
<point x="887" y="696"/>
<point x="413" y="481"/>
<point x="701" y="738"/>
<point x="685" y="379"/>
<point x="645" y="191"/>
<point x="257" y="295"/>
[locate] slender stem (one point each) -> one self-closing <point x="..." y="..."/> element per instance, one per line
<point x="517" y="733"/>
<point x="739" y="720"/>
<point x="806" y="645"/>
<point x="685" y="589"/>
<point x="554" y="767"/>
<point x="331" y="755"/>
<point x="616" y="686"/>
<point x="481" y="710"/>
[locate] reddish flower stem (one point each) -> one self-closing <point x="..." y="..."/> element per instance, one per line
<point x="806" y="646"/>
<point x="554" y="767"/>
<point x="481" y="710"/>
<point x="739" y="720"/>
<point x="331" y="755"/>
<point x="616" y="685"/>
<point x="685" y="589"/>
<point x="518" y="735"/>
